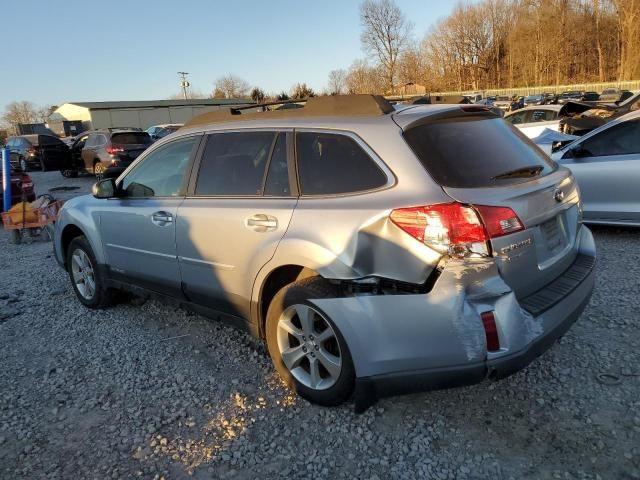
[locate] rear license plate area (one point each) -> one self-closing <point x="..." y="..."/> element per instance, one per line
<point x="554" y="235"/>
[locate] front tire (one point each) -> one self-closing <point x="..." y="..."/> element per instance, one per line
<point x="305" y="345"/>
<point x="23" y="165"/>
<point x="86" y="280"/>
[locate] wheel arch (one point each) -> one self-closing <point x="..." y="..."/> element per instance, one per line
<point x="273" y="282"/>
<point x="69" y="232"/>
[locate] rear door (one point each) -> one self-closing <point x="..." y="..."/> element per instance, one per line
<point x="53" y="151"/>
<point x="238" y="208"/>
<point x="481" y="160"/>
<point x="138" y="228"/>
<point x="89" y="151"/>
<point x="608" y="172"/>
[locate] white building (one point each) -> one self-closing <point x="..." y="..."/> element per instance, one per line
<point x="141" y="114"/>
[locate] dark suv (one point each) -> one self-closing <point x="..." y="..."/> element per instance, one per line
<point x="44" y="152"/>
<point x="113" y="147"/>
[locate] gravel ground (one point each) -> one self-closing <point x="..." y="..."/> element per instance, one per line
<point x="150" y="391"/>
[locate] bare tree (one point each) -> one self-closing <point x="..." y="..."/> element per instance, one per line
<point x="24" y="112"/>
<point x="193" y="94"/>
<point x="363" y="78"/>
<point x="386" y="34"/>
<point x="230" y="86"/>
<point x="337" y="82"/>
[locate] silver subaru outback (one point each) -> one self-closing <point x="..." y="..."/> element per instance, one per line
<point x="374" y="250"/>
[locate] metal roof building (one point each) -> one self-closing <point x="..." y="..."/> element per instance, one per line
<point x="141" y="114"/>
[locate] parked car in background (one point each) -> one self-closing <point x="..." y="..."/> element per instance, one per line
<point x="160" y="131"/>
<point x="113" y="147"/>
<point x="503" y="102"/>
<point x="373" y="249"/>
<point x="533" y="120"/>
<point x="578" y="118"/>
<point x="550" y="98"/>
<point x="516" y="103"/>
<point x="564" y="97"/>
<point x="606" y="163"/>
<point x="533" y="100"/>
<point x="473" y="97"/>
<point x="590" y="97"/>
<point x="42" y="152"/>
<point x="21" y="188"/>
<point x="611" y="95"/>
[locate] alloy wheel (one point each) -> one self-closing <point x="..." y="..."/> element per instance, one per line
<point x="83" y="274"/>
<point x="309" y="347"/>
<point x="23" y="165"/>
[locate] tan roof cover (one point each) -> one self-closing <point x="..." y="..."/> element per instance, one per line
<point x="326" y="106"/>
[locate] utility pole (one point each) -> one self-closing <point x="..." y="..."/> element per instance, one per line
<point x="184" y="83"/>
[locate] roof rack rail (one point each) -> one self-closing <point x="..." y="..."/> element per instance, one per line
<point x="115" y="129"/>
<point x="325" y="106"/>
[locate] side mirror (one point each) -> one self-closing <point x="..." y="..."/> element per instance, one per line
<point x="104" y="188"/>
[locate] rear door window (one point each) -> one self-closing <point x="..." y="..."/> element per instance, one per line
<point x="131" y="138"/>
<point x="470" y="152"/>
<point x="332" y="164"/>
<point x="543" y="115"/>
<point x="277" y="182"/>
<point x="234" y="164"/>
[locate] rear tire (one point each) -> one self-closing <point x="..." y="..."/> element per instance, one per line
<point x="318" y="363"/>
<point x="99" y="169"/>
<point x="86" y="280"/>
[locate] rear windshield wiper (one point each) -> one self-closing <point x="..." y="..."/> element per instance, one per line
<point x="522" y="172"/>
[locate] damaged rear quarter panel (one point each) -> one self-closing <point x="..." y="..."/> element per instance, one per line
<point x="396" y="333"/>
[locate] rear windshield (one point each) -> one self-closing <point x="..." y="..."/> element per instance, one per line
<point x="470" y="152"/>
<point x="131" y="138"/>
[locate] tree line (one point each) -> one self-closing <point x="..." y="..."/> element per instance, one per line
<point x="496" y="44"/>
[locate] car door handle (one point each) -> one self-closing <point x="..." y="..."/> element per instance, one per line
<point x="162" y="218"/>
<point x="261" y="222"/>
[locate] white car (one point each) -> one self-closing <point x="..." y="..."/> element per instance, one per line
<point x="532" y="121"/>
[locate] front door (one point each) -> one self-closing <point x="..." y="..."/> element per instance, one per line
<point x="237" y="211"/>
<point x="138" y="228"/>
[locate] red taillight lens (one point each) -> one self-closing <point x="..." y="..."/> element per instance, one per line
<point x="499" y="220"/>
<point x="457" y="229"/>
<point x="490" y="331"/>
<point x="114" y="150"/>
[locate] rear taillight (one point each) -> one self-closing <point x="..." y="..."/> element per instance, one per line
<point x="456" y="229"/>
<point x="114" y="150"/>
<point x="499" y="220"/>
<point x="490" y="331"/>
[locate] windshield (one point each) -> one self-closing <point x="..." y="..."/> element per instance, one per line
<point x="471" y="152"/>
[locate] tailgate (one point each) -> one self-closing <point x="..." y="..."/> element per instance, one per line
<point x="548" y="207"/>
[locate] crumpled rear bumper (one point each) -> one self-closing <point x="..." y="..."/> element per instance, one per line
<point x="408" y="343"/>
